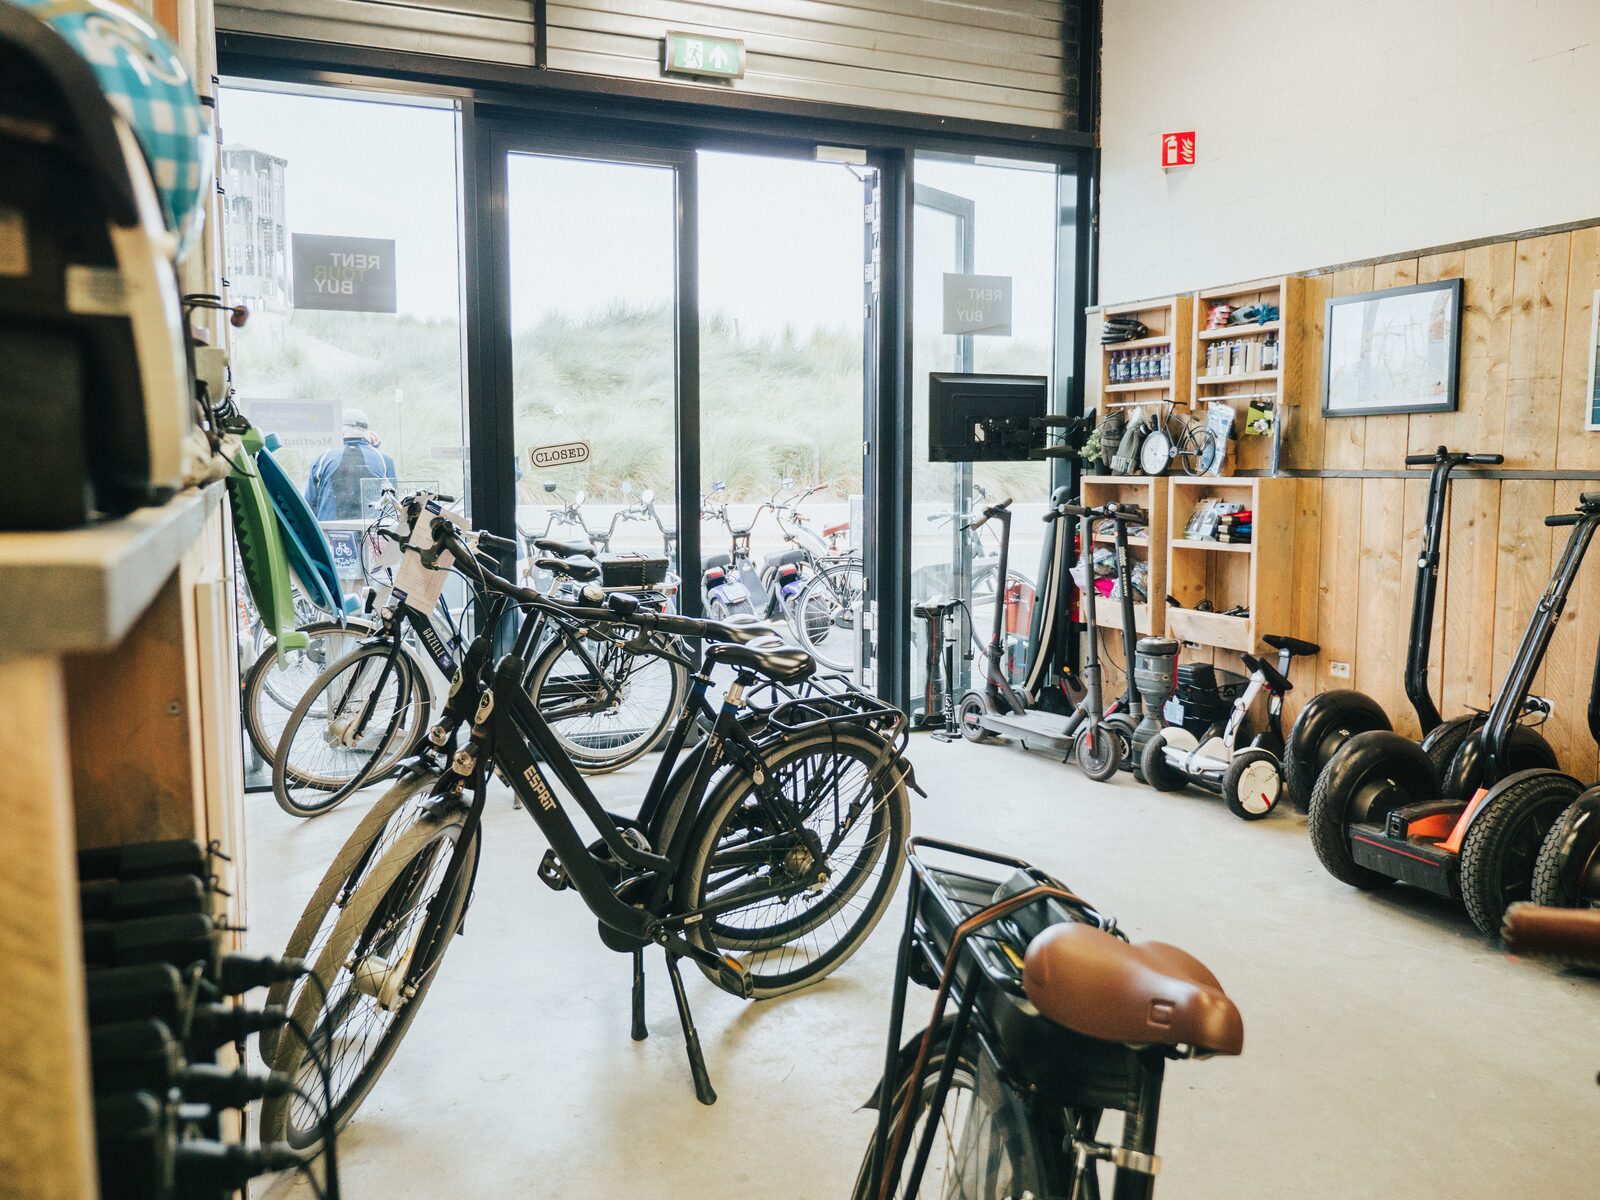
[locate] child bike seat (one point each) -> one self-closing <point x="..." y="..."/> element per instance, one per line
<point x="563" y="549"/>
<point x="1294" y="646"/>
<point x="1095" y="984"/>
<point x="785" y="664"/>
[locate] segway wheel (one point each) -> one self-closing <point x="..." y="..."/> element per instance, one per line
<point x="1252" y="785"/>
<point x="969" y="718"/>
<point x="1501" y="849"/>
<point x="1371" y="774"/>
<point x="1158" y="772"/>
<point x="1099" y="751"/>
<point x="1567" y="874"/>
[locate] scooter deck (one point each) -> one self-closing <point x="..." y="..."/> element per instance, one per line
<point x="1415" y="860"/>
<point x="1035" y="730"/>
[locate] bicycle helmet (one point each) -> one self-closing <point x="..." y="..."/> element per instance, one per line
<point x="143" y="78"/>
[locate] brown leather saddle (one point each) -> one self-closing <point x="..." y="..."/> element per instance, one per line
<point x="1144" y="994"/>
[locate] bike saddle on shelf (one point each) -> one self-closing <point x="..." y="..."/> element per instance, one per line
<point x="1146" y="994"/>
<point x="562" y="549"/>
<point x="785" y="664"/>
<point x="580" y="570"/>
<point x="1296" y="647"/>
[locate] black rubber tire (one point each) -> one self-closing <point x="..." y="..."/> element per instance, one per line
<point x="1567" y="874"/>
<point x="1501" y="848"/>
<point x="1123" y="725"/>
<point x="331" y="970"/>
<point x="1527" y="751"/>
<point x="1345" y="794"/>
<point x="1158" y="772"/>
<point x="1104" y="759"/>
<point x="263" y="688"/>
<point x="1442" y="744"/>
<point x="1323" y="725"/>
<point x="1263" y="803"/>
<point x="968" y="712"/>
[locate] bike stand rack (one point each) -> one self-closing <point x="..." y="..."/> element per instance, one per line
<point x="703" y="1090"/>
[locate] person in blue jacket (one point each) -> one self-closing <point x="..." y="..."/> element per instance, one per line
<point x="333" y="489"/>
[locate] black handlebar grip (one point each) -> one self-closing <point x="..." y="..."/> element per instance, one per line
<point x="1486" y="460"/>
<point x="1563" y="519"/>
<point x="1418" y="460"/>
<point x="496" y="543"/>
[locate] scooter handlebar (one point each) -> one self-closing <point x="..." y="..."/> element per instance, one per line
<point x="991" y="510"/>
<point x="1441" y="454"/>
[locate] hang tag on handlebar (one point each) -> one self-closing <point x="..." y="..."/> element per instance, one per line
<point x="416" y="585"/>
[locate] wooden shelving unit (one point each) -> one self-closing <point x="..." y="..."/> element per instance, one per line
<point x="1227" y="361"/>
<point x="1150" y="547"/>
<point x="1256" y="575"/>
<point x="1169" y="320"/>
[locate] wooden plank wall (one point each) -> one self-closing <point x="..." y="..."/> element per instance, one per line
<point x="1524" y="368"/>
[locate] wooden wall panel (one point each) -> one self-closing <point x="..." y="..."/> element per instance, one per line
<point x="1344" y="441"/>
<point x="1578" y="448"/>
<point x="1339" y="558"/>
<point x="1467" y="649"/>
<point x="1384" y="436"/>
<point x="1427" y="431"/>
<point x="1538" y="332"/>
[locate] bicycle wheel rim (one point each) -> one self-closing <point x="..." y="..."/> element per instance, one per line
<point x="272" y="691"/>
<point x="831" y="591"/>
<point x="607" y="721"/>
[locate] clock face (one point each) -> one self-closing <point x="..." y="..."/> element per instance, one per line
<point x="1156" y="453"/>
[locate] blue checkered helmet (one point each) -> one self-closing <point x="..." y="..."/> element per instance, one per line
<point x="144" y="79"/>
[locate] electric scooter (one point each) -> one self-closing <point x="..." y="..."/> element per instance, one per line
<point x="1380" y="814"/>
<point x="1332" y="718"/>
<point x="1247" y="777"/>
<point x="1086" y="731"/>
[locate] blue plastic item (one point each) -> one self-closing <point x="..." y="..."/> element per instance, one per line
<point x="310" y="556"/>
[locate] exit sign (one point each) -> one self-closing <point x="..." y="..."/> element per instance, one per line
<point x="703" y="54"/>
<point x="1177" y="149"/>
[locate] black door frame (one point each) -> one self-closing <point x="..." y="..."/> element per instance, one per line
<point x="496" y="109"/>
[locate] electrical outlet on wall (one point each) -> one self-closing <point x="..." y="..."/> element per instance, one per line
<point x="1339" y="670"/>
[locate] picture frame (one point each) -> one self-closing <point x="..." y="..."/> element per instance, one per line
<point x="1393" y="351"/>
<point x="1591" y="397"/>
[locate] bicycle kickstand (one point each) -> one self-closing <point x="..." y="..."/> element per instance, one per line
<point x="703" y="1090"/>
<point x="640" y="1032"/>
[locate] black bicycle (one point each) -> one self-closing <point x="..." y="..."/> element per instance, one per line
<point x="766" y="849"/>
<point x="1057" y="1020"/>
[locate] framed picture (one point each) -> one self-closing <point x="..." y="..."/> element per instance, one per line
<point x="1591" y="398"/>
<point x="1394" y="351"/>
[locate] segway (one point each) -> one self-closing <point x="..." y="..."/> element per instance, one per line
<point x="1380" y="813"/>
<point x="1005" y="711"/>
<point x="1246" y="776"/>
<point x="1329" y="720"/>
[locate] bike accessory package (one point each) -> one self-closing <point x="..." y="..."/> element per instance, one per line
<point x="266" y="569"/>
<point x="1122" y="329"/>
<point x="108" y="163"/>
<point x="310" y="556"/>
<point x="1126" y="460"/>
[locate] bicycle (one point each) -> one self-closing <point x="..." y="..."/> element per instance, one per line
<point x="369" y="710"/>
<point x="1057" y="1020"/>
<point x="764" y="835"/>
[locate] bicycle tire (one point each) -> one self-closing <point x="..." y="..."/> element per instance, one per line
<point x="814" y="630"/>
<point x="372" y="900"/>
<point x="603" y="745"/>
<point x="1017" y="1154"/>
<point x="303" y="790"/>
<point x="270" y="689"/>
<point x="728" y="811"/>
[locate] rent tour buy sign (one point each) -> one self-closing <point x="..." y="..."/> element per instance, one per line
<point x="347" y="274"/>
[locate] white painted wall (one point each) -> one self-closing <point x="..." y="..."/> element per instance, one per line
<point x="1334" y="130"/>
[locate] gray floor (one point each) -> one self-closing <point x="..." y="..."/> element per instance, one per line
<point x="1390" y="1051"/>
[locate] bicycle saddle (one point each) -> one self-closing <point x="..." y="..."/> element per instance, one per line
<point x="741" y="629"/>
<point x="580" y="570"/>
<point x="1147" y="994"/>
<point x="562" y="549"/>
<point x="1294" y="646"/>
<point x="785" y="664"/>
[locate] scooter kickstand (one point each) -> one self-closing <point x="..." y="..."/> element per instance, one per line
<point x="640" y="1032"/>
<point x="703" y="1090"/>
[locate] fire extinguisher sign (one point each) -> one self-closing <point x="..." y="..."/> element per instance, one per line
<point x="1177" y="150"/>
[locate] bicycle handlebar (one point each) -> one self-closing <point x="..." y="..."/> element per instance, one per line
<point x="990" y="511"/>
<point x="1572" y="934"/>
<point x="1443" y="455"/>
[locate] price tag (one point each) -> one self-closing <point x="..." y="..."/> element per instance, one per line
<point x="415" y="585"/>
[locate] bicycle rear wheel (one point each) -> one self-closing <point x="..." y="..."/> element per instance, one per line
<point x="816" y="919"/>
<point x="822" y="614"/>
<point x="606" y="704"/>
<point x="272" y="689"/>
<point x="351" y="728"/>
<point x="363" y="968"/>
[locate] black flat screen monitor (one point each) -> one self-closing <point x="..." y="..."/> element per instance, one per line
<point x="986" y="418"/>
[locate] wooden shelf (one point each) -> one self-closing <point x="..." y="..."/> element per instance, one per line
<point x="1212" y="629"/>
<point x="1143" y="385"/>
<point x="1242" y="377"/>
<point x="1108" y="615"/>
<point x="1143" y="343"/>
<point x="1110" y="540"/>
<point x="1233" y="331"/>
<point x="1169" y="322"/>
<point x="1150" y="495"/>
<point x="1203" y="544"/>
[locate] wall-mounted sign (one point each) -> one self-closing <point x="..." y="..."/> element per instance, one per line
<point x="702" y="54"/>
<point x="299" y="424"/>
<point x="567" y="454"/>
<point x="1177" y="149"/>
<point x="977" y="304"/>
<point x="347" y="274"/>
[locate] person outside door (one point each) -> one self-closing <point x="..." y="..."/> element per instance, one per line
<point x="333" y="487"/>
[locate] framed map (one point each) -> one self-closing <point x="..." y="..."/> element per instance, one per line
<point x="1591" y="397"/>
<point x="1394" y="351"/>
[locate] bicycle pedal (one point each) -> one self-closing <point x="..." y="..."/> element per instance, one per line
<point x="732" y="976"/>
<point x="552" y="873"/>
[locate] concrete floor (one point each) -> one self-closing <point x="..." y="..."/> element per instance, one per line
<point x="1390" y="1051"/>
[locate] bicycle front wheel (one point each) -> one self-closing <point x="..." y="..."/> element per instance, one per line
<point x="272" y="689"/>
<point x="986" y="1141"/>
<point x="606" y="704"/>
<point x="823" y="615"/>
<point x="804" y="918"/>
<point x="374" y="976"/>
<point x="351" y="728"/>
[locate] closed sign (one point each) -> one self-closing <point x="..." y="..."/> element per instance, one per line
<point x="564" y="455"/>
